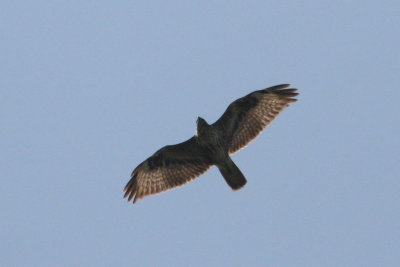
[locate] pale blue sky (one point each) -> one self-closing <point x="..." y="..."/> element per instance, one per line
<point x="89" y="89"/>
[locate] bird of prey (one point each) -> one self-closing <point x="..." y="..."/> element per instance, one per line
<point x="175" y="165"/>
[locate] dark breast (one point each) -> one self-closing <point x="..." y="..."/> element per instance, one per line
<point x="212" y="146"/>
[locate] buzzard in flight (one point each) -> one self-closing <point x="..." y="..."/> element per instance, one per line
<point x="175" y="165"/>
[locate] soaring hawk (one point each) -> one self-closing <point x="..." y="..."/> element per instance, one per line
<point x="175" y="165"/>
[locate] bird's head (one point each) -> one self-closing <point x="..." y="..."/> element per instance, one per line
<point x="202" y="125"/>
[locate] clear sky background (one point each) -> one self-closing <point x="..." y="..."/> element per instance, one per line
<point x="89" y="89"/>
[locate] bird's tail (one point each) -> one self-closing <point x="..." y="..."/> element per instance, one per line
<point x="232" y="175"/>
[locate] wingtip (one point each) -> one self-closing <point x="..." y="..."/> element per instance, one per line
<point x="131" y="194"/>
<point x="278" y="87"/>
<point x="283" y="93"/>
<point x="291" y="100"/>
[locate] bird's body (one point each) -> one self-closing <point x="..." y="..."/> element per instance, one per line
<point x="210" y="139"/>
<point x="175" y="165"/>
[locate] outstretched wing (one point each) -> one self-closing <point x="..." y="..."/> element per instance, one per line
<point x="246" y="117"/>
<point x="169" y="167"/>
